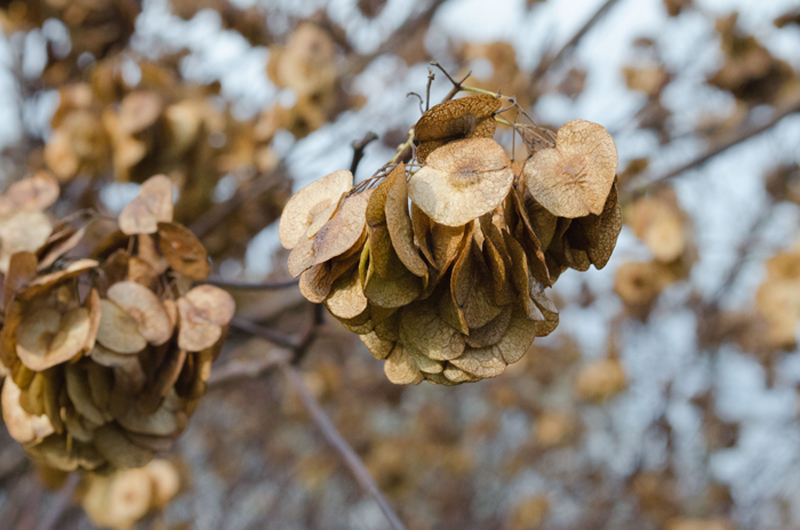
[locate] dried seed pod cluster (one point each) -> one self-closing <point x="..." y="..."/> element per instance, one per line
<point x="441" y="267"/>
<point x="121" y="499"/>
<point x="108" y="357"/>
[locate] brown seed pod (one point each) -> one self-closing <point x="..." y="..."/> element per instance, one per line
<point x="462" y="181"/>
<point x="310" y="208"/>
<point x="574" y="178"/>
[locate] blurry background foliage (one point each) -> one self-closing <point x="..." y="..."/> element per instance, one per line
<point x="667" y="398"/>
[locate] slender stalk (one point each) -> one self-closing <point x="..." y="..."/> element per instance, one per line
<point x="642" y="185"/>
<point x="550" y="60"/>
<point x="326" y="427"/>
<point x="349" y="456"/>
<point x="358" y="150"/>
<point x="252" y="286"/>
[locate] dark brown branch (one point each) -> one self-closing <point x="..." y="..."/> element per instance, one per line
<point x="358" y="150"/>
<point x="742" y="135"/>
<point x="273" y="335"/>
<point x="457" y="85"/>
<point x="549" y="60"/>
<point x="252" y="286"/>
<point x="332" y="435"/>
<point x="60" y="503"/>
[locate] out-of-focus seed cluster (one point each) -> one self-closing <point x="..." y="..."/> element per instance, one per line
<point x="440" y="266"/>
<point x="108" y="357"/>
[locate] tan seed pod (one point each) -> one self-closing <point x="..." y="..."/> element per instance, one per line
<point x="80" y="395"/>
<point x="183" y="251"/>
<point x="120" y="500"/>
<point x="112" y="444"/>
<point x="143" y="305"/>
<point x="462" y="181"/>
<point x="138" y="111"/>
<point x="574" y="178"/>
<point x="33" y="194"/>
<point x="481" y="362"/>
<point x="118" y="331"/>
<point x="153" y="205"/>
<point x="301" y="258"/>
<point x="492" y="332"/>
<point x="310" y="208"/>
<point x="22" y="231"/>
<point x="46" y="282"/>
<point x="423" y="331"/>
<point x="597" y="234"/>
<point x="23" y="427"/>
<point x="343" y="230"/>
<point x="457" y="376"/>
<point x="165" y="480"/>
<point x="400" y="367"/>
<point x="21" y="272"/>
<point x="46" y="337"/>
<point x="451" y="118"/>
<point x="204" y="312"/>
<point x="347" y="299"/>
<point x="601" y="380"/>
<point x="379" y="348"/>
<point x="398" y="222"/>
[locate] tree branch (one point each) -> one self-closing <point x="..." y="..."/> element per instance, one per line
<point x="332" y="435"/>
<point x="252" y="286"/>
<point x="351" y="459"/>
<point x="549" y="60"/>
<point x="358" y="150"/>
<point x="642" y="185"/>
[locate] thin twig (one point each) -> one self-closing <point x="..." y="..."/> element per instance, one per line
<point x="350" y="457"/>
<point x="431" y="77"/>
<point x="273" y="335"/>
<point x="252" y="286"/>
<point x="745" y="248"/>
<point x="457" y="85"/>
<point x="60" y="503"/>
<point x="407" y="32"/>
<point x="358" y="149"/>
<point x="332" y="435"/>
<point x="744" y="134"/>
<point x="237" y="370"/>
<point x="549" y="60"/>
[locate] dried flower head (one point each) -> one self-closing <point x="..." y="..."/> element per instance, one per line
<point x="440" y="267"/>
<point x="109" y="357"/>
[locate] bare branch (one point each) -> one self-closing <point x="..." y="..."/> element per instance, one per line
<point x="742" y="135"/>
<point x="273" y="335"/>
<point x="349" y="456"/>
<point x="358" y="150"/>
<point x="252" y="286"/>
<point x="549" y="60"/>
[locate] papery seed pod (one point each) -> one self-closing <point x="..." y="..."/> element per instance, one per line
<point x="442" y="269"/>
<point x="109" y="357"/>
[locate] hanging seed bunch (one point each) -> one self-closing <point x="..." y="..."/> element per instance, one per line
<point x="108" y="357"/>
<point x="440" y="266"/>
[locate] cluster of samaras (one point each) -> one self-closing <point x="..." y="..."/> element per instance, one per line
<point x="108" y="357"/>
<point x="441" y="270"/>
